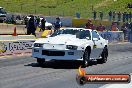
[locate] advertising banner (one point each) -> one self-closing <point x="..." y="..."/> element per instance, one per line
<point x="15" y="47"/>
<point x="113" y="36"/>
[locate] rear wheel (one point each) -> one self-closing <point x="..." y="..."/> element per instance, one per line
<point x="86" y="58"/>
<point x="104" y="56"/>
<point x="40" y="61"/>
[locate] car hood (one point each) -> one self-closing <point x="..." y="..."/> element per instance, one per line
<point x="66" y="39"/>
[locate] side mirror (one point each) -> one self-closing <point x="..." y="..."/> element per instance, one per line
<point x="95" y="39"/>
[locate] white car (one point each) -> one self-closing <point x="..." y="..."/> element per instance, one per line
<point x="71" y="44"/>
<point x="2" y="14"/>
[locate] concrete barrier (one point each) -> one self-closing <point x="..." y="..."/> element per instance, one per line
<point x="9" y="29"/>
<point x="113" y="36"/>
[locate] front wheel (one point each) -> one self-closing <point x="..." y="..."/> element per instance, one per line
<point x="86" y="58"/>
<point x="40" y="61"/>
<point x="104" y="56"/>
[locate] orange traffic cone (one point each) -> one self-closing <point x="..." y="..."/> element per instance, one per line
<point x="14" y="34"/>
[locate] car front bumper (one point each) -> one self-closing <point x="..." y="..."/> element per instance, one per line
<point x="52" y="54"/>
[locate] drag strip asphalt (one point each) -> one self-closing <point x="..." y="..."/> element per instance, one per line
<point x="24" y="72"/>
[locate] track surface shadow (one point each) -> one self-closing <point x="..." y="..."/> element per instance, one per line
<point x="59" y="64"/>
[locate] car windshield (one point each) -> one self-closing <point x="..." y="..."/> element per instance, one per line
<point x="81" y="34"/>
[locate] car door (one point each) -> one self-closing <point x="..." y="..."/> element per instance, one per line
<point x="98" y="45"/>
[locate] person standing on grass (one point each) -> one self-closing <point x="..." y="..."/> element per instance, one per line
<point x="101" y="15"/>
<point x="94" y="14"/>
<point x="31" y="26"/>
<point x="110" y="15"/>
<point x="119" y="16"/>
<point x="124" y="16"/>
<point x="114" y="14"/>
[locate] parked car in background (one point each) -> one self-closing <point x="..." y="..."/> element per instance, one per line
<point x="3" y="14"/>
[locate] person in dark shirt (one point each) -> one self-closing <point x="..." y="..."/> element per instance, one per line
<point x="124" y="29"/>
<point x="31" y="26"/>
<point x="119" y="16"/>
<point x="43" y="21"/>
<point x="127" y="16"/>
<point x="94" y="15"/>
<point x="130" y="16"/>
<point x="100" y="27"/>
<point x="58" y="23"/>
<point x="89" y="25"/>
<point x="37" y="20"/>
<point x="124" y="17"/>
<point x="25" y="20"/>
<point x="110" y="15"/>
<point x="114" y="14"/>
<point x="101" y="15"/>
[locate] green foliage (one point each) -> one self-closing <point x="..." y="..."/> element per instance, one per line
<point x="64" y="7"/>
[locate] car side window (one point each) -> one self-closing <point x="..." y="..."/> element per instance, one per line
<point x="95" y="35"/>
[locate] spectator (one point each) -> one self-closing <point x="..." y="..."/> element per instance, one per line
<point x="37" y="20"/>
<point x="89" y="25"/>
<point x="18" y="17"/>
<point x="101" y="15"/>
<point x="128" y="26"/>
<point x="110" y="15"/>
<point x="13" y="19"/>
<point x="114" y="27"/>
<point x="58" y="23"/>
<point x="129" y="5"/>
<point x="100" y="27"/>
<point x="119" y="16"/>
<point x="42" y="27"/>
<point x="124" y="17"/>
<point x="114" y="14"/>
<point x="127" y="16"/>
<point x="31" y="26"/>
<point x="124" y="29"/>
<point x="94" y="15"/>
<point x="25" y="20"/>
<point x="130" y="16"/>
<point x="130" y="34"/>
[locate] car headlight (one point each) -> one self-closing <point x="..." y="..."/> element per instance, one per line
<point x="72" y="47"/>
<point x="38" y="45"/>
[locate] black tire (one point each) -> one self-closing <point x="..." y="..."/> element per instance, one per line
<point x="86" y="58"/>
<point x="104" y="56"/>
<point x="40" y="61"/>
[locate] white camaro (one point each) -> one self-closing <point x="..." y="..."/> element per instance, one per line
<point x="71" y="44"/>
